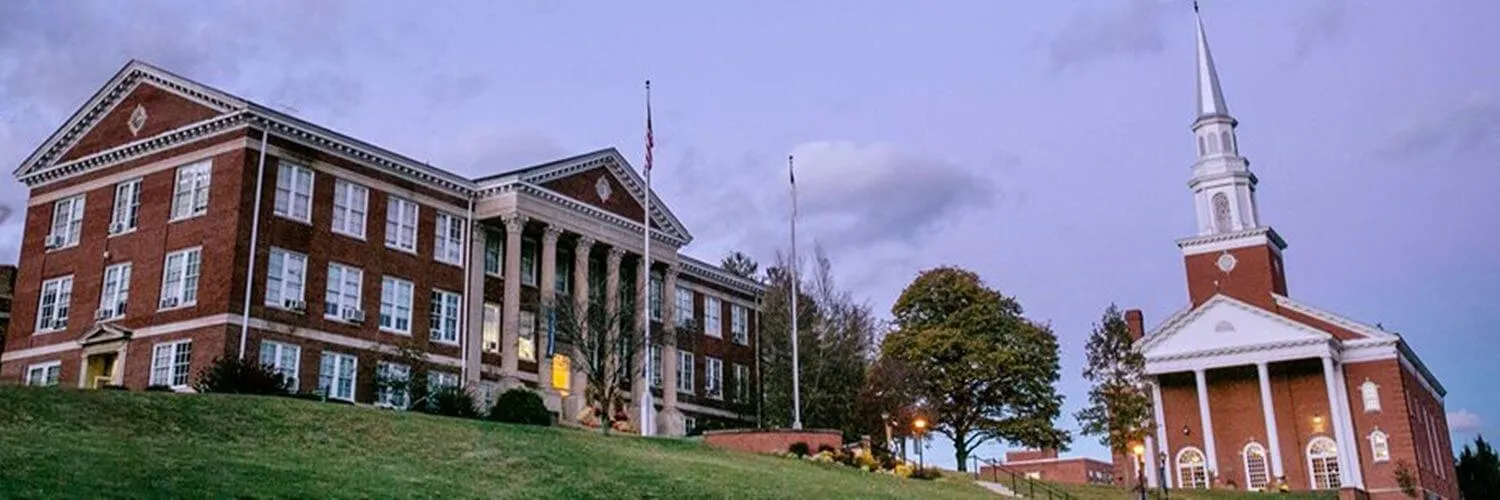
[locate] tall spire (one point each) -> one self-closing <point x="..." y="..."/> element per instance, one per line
<point x="1210" y="94"/>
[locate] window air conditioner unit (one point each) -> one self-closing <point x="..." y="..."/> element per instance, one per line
<point x="354" y="316"/>
<point x="57" y="324"/>
<point x="169" y="302"/>
<point x="492" y="346"/>
<point x="295" y="305"/>
<point x="116" y="227"/>
<point x="55" y="241"/>
<point x="103" y="313"/>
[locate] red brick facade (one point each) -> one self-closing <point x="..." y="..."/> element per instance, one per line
<point x="1047" y="466"/>
<point x="773" y="440"/>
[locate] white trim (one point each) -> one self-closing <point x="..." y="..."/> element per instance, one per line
<point x="1228" y="241"/>
<point x="1206" y="420"/>
<point x="1207" y="468"/>
<point x="1053" y="461"/>
<point x="1312" y="481"/>
<point x="141" y="171"/>
<point x="368" y="182"/>
<point x="186" y="134"/>
<point x="1266" y="467"/>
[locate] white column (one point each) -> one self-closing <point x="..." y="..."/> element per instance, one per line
<point x="1330" y="380"/>
<point x="1268" y="409"/>
<point x="474" y="305"/>
<point x="1161" y="429"/>
<point x="1351" y="439"/>
<point x="547" y="285"/>
<point x="612" y="311"/>
<point x="1208" y="425"/>
<point x="576" y="400"/>
<point x="510" y="317"/>
<point x="1150" y="459"/>
<point x="669" y="420"/>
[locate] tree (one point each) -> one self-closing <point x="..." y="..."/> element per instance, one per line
<point x="887" y="402"/>
<point x="741" y="265"/>
<point x="981" y="370"/>
<point x="1119" y="410"/>
<point x="1479" y="471"/>
<point x="604" y="347"/>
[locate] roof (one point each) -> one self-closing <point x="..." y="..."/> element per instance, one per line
<point x="1210" y="93"/>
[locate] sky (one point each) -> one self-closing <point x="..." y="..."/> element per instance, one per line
<point x="1043" y="145"/>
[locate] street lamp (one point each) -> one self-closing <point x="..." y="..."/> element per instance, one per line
<point x="921" y="426"/>
<point x="1140" y="468"/>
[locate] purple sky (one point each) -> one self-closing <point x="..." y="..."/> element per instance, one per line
<point x="1044" y="145"/>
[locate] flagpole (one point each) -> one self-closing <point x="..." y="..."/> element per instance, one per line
<point x="796" y="368"/>
<point x="647" y="405"/>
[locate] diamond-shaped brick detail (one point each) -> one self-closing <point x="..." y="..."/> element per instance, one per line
<point x="137" y="119"/>
<point x="602" y="188"/>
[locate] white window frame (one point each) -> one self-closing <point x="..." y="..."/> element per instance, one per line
<point x="490" y="324"/>
<point x="684" y="306"/>
<point x="114" y="291"/>
<point x="176" y="368"/>
<point x="656" y="370"/>
<point x="685" y="371"/>
<point x="448" y="240"/>
<point x="739" y="323"/>
<point x="351" y="205"/>
<point x="67" y="221"/>
<point x="443" y="317"/>
<point x="564" y="276"/>
<point x="438" y="379"/>
<point x="494" y="253"/>
<point x="283" y="358"/>
<point x="329" y="377"/>
<point x="191" y="189"/>
<point x="392" y="385"/>
<point x="401" y="216"/>
<point x="526" y="337"/>
<point x="127" y="207"/>
<point x="1380" y="446"/>
<point x="44" y="374"/>
<point x="294" y="197"/>
<point x="712" y="324"/>
<point x="1191" y="474"/>
<point x="286" y="278"/>
<point x="1256" y="480"/>
<point x="53" y="316"/>
<point x="529" y="265"/>
<point x="394" y="305"/>
<point x="741" y="383"/>
<point x="186" y="284"/>
<point x="713" y="377"/>
<point x="655" y="296"/>
<point x="1369" y="393"/>
<point x="338" y="296"/>
<point x="1329" y="478"/>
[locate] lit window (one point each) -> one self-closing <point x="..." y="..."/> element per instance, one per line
<point x="115" y="293"/>
<point x="44" y="374"/>
<point x="126" y="215"/>
<point x="1370" y="393"/>
<point x="179" y="282"/>
<point x="444" y="316"/>
<point x="170" y="363"/>
<point x="713" y="377"/>
<point x="1192" y="469"/>
<point x="282" y="358"/>
<point x="1380" y="446"/>
<point x="711" y="325"/>
<point x="401" y="224"/>
<point x="685" y="372"/>
<point x="526" y="337"/>
<point x="52" y="308"/>
<point x="190" y="196"/>
<point x="286" y="277"/>
<point x="336" y="376"/>
<point x="67" y="222"/>
<point x="1323" y="461"/>
<point x="345" y="290"/>
<point x="1256" y="475"/>
<point x="491" y="332"/>
<point x="294" y="188"/>
<point x="350" y="201"/>
<point x="684" y="307"/>
<point x="392" y="385"/>
<point x="448" y="243"/>
<point x="395" y="305"/>
<point x="739" y="324"/>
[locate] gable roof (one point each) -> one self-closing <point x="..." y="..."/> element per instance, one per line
<point x="1191" y="332"/>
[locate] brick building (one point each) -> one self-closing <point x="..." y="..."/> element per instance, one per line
<point x="1046" y="465"/>
<point x="147" y="207"/>
<point x="7" y="295"/>
<point x="1253" y="388"/>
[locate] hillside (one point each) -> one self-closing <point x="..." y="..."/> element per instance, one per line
<point x="73" y="444"/>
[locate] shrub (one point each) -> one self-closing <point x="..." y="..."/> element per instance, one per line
<point x="449" y="402"/>
<point x="237" y="376"/>
<point x="112" y="387"/>
<point x="799" y="448"/>
<point x="825" y="447"/>
<point x="923" y="473"/>
<point x="521" y="406"/>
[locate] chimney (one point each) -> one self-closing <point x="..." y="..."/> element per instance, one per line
<point x="1135" y="323"/>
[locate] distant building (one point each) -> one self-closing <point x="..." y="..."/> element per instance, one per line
<point x="145" y="258"/>
<point x="1045" y="465"/>
<point x="1253" y="389"/>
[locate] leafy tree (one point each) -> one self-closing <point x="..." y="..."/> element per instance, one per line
<point x="982" y="372"/>
<point x="1119" y="411"/>
<point x="1479" y="471"/>
<point x="887" y="402"/>
<point x="741" y="265"/>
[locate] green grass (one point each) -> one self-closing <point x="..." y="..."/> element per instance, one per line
<point x="76" y="444"/>
<point x="1097" y="492"/>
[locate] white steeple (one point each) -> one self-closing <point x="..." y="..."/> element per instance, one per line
<point x="1223" y="186"/>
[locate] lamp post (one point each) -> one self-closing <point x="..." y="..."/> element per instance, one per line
<point x="921" y="426"/>
<point x="1140" y="469"/>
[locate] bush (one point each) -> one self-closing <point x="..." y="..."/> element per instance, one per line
<point x="521" y="406"/>
<point x="449" y="402"/>
<point x="799" y="448"/>
<point x="112" y="387"/>
<point x="923" y="473"/>
<point x="237" y="376"/>
<point x="825" y="447"/>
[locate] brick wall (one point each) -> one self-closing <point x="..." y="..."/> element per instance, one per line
<point x="1256" y="275"/>
<point x="773" y="440"/>
<point x="1066" y="470"/>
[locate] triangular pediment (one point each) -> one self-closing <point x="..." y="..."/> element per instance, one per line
<point x="104" y="332"/>
<point x="602" y="179"/>
<point x="1226" y="324"/>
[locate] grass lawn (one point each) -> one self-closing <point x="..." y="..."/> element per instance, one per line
<point x="1096" y="492"/>
<point x="83" y="444"/>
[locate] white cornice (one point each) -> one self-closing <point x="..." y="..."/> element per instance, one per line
<point x="1225" y="241"/>
<point x="1333" y="319"/>
<point x="716" y="275"/>
<point x="134" y="150"/>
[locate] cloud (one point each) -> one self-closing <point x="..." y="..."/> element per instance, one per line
<point x="1463" y="421"/>
<point x="487" y="151"/>
<point x="1324" y="26"/>
<point x="1472" y="126"/>
<point x="1133" y="30"/>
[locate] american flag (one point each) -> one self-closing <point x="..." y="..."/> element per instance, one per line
<point x="650" y="141"/>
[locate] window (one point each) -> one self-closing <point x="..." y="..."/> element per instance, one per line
<point x="690" y="423"/>
<point x="741" y="383"/>
<point x="494" y="251"/>
<point x="1224" y="142"/>
<point x="179" y="280"/>
<point x="190" y="197"/>
<point x="401" y="224"/>
<point x="564" y="270"/>
<point x="491" y="331"/>
<point x="1370" y="393"/>
<point x="1221" y="212"/>
<point x="684" y="306"/>
<point x="711" y="325"/>
<point x="67" y="222"/>
<point x="282" y="358"/>
<point x="437" y="380"/>
<point x="1323" y="461"/>
<point x="713" y="377"/>
<point x="336" y="376"/>
<point x="1256" y="475"/>
<point x="115" y="292"/>
<point x="44" y="374"/>
<point x="395" y="305"/>
<point x="526" y="351"/>
<point x="1380" y="446"/>
<point x="1192" y="469"/>
<point x="286" y="275"/>
<point x="444" y="316"/>
<point x="656" y="289"/>
<point x="685" y="372"/>
<point x="294" y="187"/>
<point x="448" y="245"/>
<point x="1202" y="147"/>
<point x="350" y="201"/>
<point x="344" y="291"/>
<point x="528" y="262"/>
<point x="656" y="372"/>
<point x="392" y="381"/>
<point x="170" y="363"/>
<point x="739" y="324"/>
<point x="126" y="215"/>
<point x="52" y="309"/>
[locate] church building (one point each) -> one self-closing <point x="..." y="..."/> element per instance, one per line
<point x="1255" y="390"/>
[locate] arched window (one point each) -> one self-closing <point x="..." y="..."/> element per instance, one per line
<point x="1192" y="469"/>
<point x="1256" y="474"/>
<point x="1370" y="393"/>
<point x="1221" y="212"/>
<point x="1224" y="140"/>
<point x="1202" y="147"/>
<point x="1380" y="446"/>
<point x="1323" y="461"/>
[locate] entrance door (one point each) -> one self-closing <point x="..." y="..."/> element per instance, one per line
<point x="101" y="370"/>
